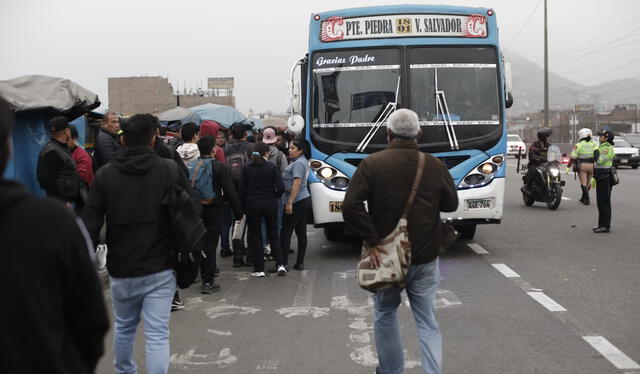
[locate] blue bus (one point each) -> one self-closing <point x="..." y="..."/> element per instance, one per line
<point x="443" y="62"/>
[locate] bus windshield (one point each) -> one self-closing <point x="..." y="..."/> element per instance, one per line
<point x="351" y="91"/>
<point x="466" y="80"/>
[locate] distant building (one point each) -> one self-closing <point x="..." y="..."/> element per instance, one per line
<point x="131" y="95"/>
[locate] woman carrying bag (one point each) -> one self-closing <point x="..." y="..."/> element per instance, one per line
<point x="296" y="203"/>
<point x="260" y="189"/>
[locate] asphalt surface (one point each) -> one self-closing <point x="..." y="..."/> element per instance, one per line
<point x="319" y="321"/>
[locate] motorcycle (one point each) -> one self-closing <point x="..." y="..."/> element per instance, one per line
<point x="548" y="185"/>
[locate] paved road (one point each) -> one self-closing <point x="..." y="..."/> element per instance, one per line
<point x="539" y="293"/>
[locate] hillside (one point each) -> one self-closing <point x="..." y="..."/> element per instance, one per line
<point x="528" y="90"/>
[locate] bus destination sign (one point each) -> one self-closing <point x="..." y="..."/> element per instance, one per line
<point x="403" y="25"/>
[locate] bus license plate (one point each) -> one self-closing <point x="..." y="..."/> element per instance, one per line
<point x="479" y="204"/>
<point x="335" y="206"/>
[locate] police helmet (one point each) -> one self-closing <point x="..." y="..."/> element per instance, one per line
<point x="608" y="134"/>
<point x="584" y="133"/>
<point x="544" y="133"/>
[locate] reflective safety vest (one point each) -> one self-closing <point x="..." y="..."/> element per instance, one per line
<point x="607" y="153"/>
<point x="583" y="150"/>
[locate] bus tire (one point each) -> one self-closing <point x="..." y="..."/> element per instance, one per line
<point x="467" y="232"/>
<point x="334" y="234"/>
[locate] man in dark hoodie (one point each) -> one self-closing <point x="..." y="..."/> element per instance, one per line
<point x="106" y="143"/>
<point x="60" y="319"/>
<point x="129" y="191"/>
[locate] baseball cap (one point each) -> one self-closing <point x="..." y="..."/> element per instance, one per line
<point x="269" y="136"/>
<point x="605" y="132"/>
<point x="58" y="123"/>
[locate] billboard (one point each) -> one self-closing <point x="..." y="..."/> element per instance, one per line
<point x="220" y="83"/>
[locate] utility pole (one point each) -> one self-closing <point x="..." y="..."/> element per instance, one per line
<point x="546" y="70"/>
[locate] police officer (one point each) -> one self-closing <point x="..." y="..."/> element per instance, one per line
<point x="56" y="170"/>
<point x="602" y="172"/>
<point x="582" y="158"/>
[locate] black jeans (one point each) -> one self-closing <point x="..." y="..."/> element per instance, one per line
<point x="225" y="227"/>
<point x="211" y="216"/>
<point x="298" y="222"/>
<point x="267" y="210"/>
<point x="603" y="193"/>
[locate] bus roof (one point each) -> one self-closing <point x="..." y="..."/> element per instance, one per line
<point x="401" y="8"/>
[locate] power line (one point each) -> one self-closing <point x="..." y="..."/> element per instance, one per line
<point x="600" y="64"/>
<point x="610" y="71"/>
<point x="524" y="25"/>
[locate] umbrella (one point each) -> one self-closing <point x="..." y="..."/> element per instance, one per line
<point x="223" y="114"/>
<point x="178" y="116"/>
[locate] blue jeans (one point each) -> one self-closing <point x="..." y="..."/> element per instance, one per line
<point x="149" y="296"/>
<point x="422" y="283"/>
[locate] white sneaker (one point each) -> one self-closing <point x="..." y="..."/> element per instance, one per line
<point x="267" y="249"/>
<point x="258" y="274"/>
<point x="282" y="271"/>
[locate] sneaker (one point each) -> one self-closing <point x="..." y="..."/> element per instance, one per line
<point x="267" y="249"/>
<point x="210" y="287"/>
<point x="268" y="257"/>
<point x="282" y="271"/>
<point x="226" y="252"/>
<point x="258" y="274"/>
<point x="176" y="305"/>
<point x="298" y="266"/>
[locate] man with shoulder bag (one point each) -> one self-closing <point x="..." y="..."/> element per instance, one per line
<point x="405" y="191"/>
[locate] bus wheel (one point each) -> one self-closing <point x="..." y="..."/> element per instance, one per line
<point x="334" y="234"/>
<point x="467" y="232"/>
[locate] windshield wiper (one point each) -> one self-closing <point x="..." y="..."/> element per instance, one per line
<point x="382" y="118"/>
<point x="442" y="107"/>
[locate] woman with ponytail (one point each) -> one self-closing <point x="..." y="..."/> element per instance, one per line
<point x="260" y="189"/>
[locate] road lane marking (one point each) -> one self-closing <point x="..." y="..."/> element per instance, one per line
<point x="546" y="301"/>
<point x="218" y="332"/>
<point x="302" y="300"/>
<point x="566" y="198"/>
<point x="477" y="248"/>
<point x="191" y="358"/>
<point x="505" y="270"/>
<point x="611" y="352"/>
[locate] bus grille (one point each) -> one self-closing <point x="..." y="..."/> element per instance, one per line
<point x="449" y="161"/>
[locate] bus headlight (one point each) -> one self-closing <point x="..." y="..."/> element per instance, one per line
<point x="483" y="174"/>
<point x="329" y="176"/>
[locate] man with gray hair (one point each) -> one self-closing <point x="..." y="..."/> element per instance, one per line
<point x="106" y="144"/>
<point x="384" y="180"/>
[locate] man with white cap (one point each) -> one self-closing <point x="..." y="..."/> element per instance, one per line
<point x="384" y="180"/>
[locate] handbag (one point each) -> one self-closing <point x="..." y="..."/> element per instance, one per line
<point x="394" y="264"/>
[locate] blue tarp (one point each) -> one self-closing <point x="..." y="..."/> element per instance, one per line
<point x="255" y="123"/>
<point x="223" y="114"/>
<point x="178" y="116"/>
<point x="30" y="134"/>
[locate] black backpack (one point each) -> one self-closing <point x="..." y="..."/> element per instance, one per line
<point x="187" y="228"/>
<point x="236" y="159"/>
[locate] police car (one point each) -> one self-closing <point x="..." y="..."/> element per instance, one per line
<point x="514" y="143"/>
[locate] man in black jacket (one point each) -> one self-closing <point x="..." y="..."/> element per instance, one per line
<point x="212" y="212"/>
<point x="59" y="320"/>
<point x="56" y="169"/>
<point x="129" y="191"/>
<point x="106" y="142"/>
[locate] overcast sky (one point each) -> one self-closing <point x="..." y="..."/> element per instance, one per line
<point x="591" y="41"/>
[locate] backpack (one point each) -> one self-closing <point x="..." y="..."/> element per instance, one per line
<point x="236" y="161"/>
<point x="201" y="175"/>
<point x="187" y="229"/>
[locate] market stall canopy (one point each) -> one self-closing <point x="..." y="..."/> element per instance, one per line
<point x="41" y="93"/>
<point x="223" y="114"/>
<point x="178" y="116"/>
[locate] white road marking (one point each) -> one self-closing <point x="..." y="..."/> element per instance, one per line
<point x="218" y="332"/>
<point x="505" y="270"/>
<point x="303" y="298"/>
<point x="268" y="365"/>
<point x="477" y="248"/>
<point x="611" y="353"/>
<point x="191" y="358"/>
<point x="546" y="301"/>
<point x="566" y="198"/>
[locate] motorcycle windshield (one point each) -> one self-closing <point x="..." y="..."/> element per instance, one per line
<point x="554" y="154"/>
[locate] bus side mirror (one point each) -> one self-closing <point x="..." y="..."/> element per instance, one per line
<point x="507" y="85"/>
<point x="295" y="124"/>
